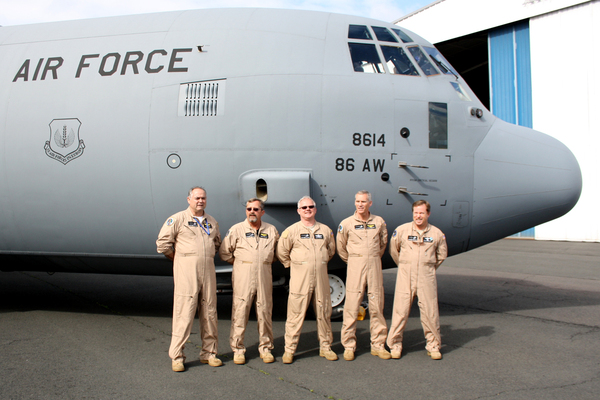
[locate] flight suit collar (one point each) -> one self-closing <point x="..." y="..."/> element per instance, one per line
<point x="312" y="232"/>
<point x="249" y="227"/>
<point x="257" y="240"/>
<point x="317" y="226"/>
<point x="357" y="218"/>
<point x="190" y="217"/>
<point x="415" y="229"/>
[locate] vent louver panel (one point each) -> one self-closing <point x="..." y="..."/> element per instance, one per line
<point x="202" y="99"/>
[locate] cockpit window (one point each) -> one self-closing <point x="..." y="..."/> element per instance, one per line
<point x="460" y="91"/>
<point x="403" y="36"/>
<point x="438" y="125"/>
<point x="422" y="60"/>
<point x="441" y="62"/>
<point x="397" y="61"/>
<point x="384" y="35"/>
<point x="365" y="58"/>
<point x="359" y="32"/>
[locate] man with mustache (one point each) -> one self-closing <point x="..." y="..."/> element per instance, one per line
<point x="250" y="247"/>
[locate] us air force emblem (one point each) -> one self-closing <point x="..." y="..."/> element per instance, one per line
<point x="64" y="144"/>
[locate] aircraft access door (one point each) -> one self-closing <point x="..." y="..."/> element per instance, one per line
<point x="429" y="168"/>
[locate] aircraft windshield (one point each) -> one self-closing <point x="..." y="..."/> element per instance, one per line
<point x="422" y="60"/>
<point x="441" y="62"/>
<point x="365" y="58"/>
<point x="359" y="32"/>
<point x="403" y="36"/>
<point x="383" y="35"/>
<point x="398" y="62"/>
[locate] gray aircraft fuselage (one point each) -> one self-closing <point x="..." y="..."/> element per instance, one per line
<point x="106" y="123"/>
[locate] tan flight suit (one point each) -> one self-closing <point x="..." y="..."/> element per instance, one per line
<point x="418" y="255"/>
<point x="361" y="245"/>
<point x="194" y="277"/>
<point x="306" y="252"/>
<point x="251" y="254"/>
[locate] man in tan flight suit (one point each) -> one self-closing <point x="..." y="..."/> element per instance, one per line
<point x="306" y="247"/>
<point x="250" y="247"/>
<point x="361" y="241"/>
<point x="418" y="249"/>
<point x="191" y="238"/>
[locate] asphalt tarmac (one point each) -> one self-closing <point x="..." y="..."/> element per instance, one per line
<point x="520" y="319"/>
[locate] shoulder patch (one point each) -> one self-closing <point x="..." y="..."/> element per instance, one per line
<point x="340" y="228"/>
<point x="395" y="233"/>
<point x="284" y="234"/>
<point x="170" y="221"/>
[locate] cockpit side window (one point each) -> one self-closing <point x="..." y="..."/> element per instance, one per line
<point x="438" y="125"/>
<point x="383" y="35"/>
<point x="422" y="60"/>
<point x="403" y="36"/>
<point x="359" y="32"/>
<point x="462" y="94"/>
<point x="398" y="62"/>
<point x="365" y="58"/>
<point x="441" y="62"/>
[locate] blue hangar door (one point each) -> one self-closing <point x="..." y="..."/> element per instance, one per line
<point x="510" y="79"/>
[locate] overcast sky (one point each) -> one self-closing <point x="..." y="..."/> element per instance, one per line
<point x="17" y="12"/>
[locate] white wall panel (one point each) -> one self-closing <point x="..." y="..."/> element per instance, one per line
<point x="565" y="64"/>
<point x="448" y="19"/>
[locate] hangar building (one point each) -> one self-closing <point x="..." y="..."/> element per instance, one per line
<point x="533" y="63"/>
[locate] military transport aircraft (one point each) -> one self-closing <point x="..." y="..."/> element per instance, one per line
<point x="106" y="123"/>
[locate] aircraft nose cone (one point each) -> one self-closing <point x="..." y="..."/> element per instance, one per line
<point x="522" y="178"/>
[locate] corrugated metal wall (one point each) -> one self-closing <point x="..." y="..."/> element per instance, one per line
<point x="510" y="78"/>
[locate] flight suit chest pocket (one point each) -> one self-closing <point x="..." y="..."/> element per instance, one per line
<point x="428" y="249"/>
<point x="357" y="235"/>
<point x="249" y="241"/>
<point x="305" y="240"/>
<point x="265" y="241"/>
<point x="189" y="228"/>
<point x="319" y="241"/>
<point x="407" y="246"/>
<point x="371" y="231"/>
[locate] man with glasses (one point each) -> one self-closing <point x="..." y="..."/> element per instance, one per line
<point x="306" y="247"/>
<point x="190" y="239"/>
<point x="250" y="247"/>
<point x="361" y="242"/>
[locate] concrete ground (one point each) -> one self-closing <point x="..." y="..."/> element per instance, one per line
<point x="520" y="320"/>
